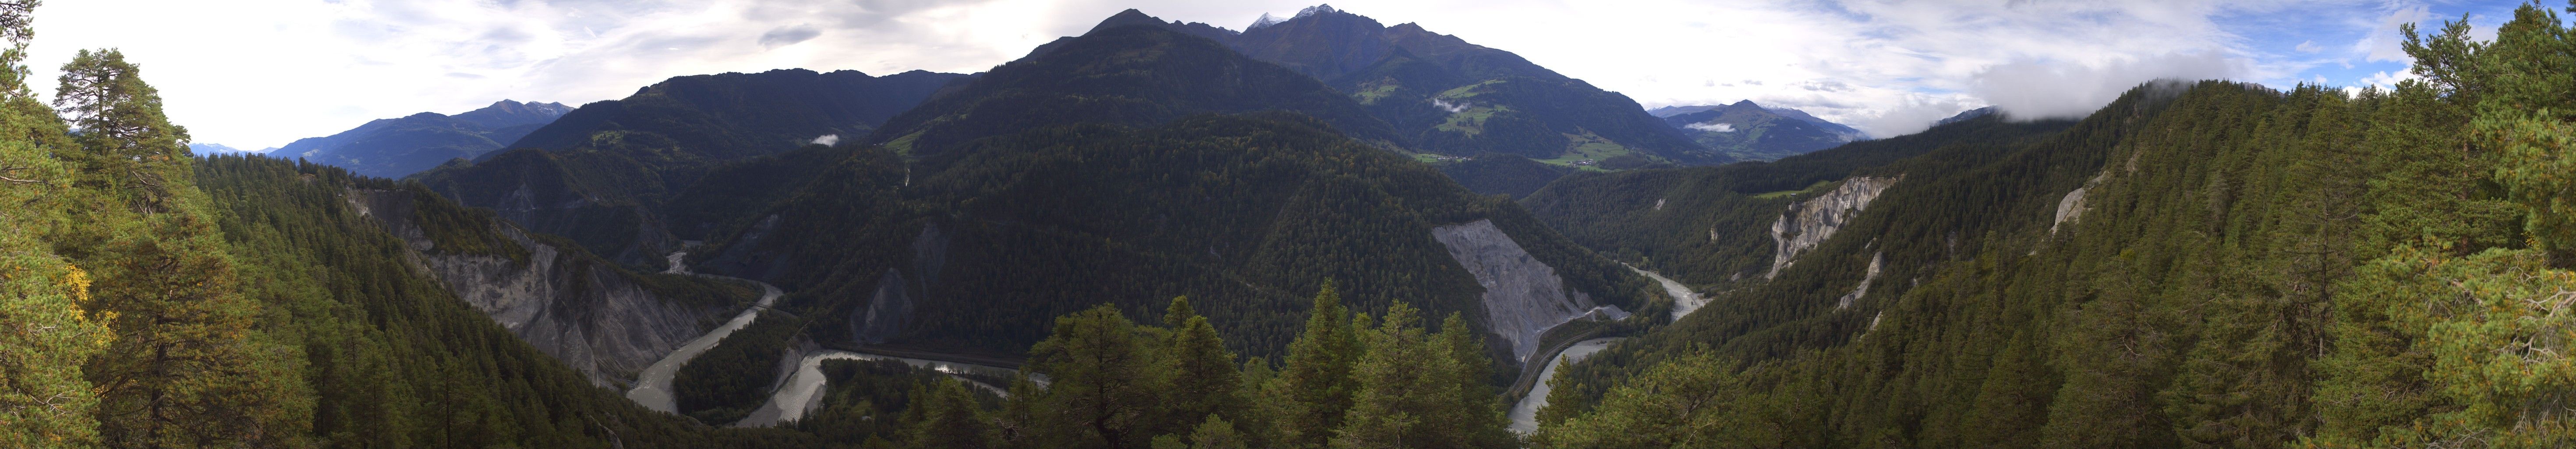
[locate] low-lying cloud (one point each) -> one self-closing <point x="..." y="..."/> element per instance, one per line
<point x="1714" y="127"/>
<point x="2038" y="90"/>
<point x="827" y="140"/>
<point x="1445" y="105"/>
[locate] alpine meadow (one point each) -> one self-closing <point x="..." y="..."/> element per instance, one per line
<point x="1041" y="224"/>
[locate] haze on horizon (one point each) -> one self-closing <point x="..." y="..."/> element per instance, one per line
<point x="261" y="73"/>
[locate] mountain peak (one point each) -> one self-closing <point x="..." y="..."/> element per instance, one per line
<point x="1129" y="17"/>
<point x="1742" y="103"/>
<point x="1967" y="115"/>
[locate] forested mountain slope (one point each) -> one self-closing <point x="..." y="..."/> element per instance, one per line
<point x="384" y="355"/>
<point x="2235" y="266"/>
<point x="1099" y="171"/>
<point x="1442" y="95"/>
<point x="160" y="300"/>
<point x="1131" y="75"/>
<point x="1460" y="98"/>
<point x="600" y="174"/>
<point x="1710" y="226"/>
<point x="1242" y="212"/>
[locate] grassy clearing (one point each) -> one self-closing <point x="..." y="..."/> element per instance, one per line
<point x="1471" y="121"/>
<point x="1373" y="93"/>
<point x="1591" y="146"/>
<point x="1819" y="186"/>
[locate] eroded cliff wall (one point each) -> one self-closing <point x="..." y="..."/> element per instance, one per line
<point x="1808" y="223"/>
<point x="1523" y="297"/>
<point x="575" y="307"/>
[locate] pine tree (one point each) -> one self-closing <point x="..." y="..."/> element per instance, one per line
<point x="129" y="149"/>
<point x="1694" y="401"/>
<point x="1410" y="392"/>
<point x="1216" y="433"/>
<point x="1202" y="376"/>
<point x="2529" y="117"/>
<point x="1478" y="409"/>
<point x="1316" y="381"/>
<point x="187" y="367"/>
<point x="50" y="323"/>
<point x="943" y="417"/>
<point x="46" y="332"/>
<point x="1102" y="388"/>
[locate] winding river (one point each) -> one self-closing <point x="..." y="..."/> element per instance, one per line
<point x="803" y="391"/>
<point x="1524" y="414"/>
<point x="653" y="386"/>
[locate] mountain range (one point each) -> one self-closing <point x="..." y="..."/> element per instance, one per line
<point x="1446" y="96"/>
<point x="600" y="173"/>
<point x="1749" y="131"/>
<point x="1318" y="231"/>
<point x="399" y="147"/>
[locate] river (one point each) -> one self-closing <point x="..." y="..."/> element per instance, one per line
<point x="803" y="391"/>
<point x="1685" y="301"/>
<point x="1524" y="414"/>
<point x="653" y="386"/>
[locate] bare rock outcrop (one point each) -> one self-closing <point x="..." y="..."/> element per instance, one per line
<point x="1523" y="297"/>
<point x="1875" y="260"/>
<point x="580" y="310"/>
<point x="2072" y="207"/>
<point x="1808" y="223"/>
<point x="888" y="310"/>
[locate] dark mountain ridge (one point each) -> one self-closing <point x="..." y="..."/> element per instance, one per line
<point x="1447" y="96"/>
<point x="1129" y="75"/>
<point x="1110" y="147"/>
<point x="600" y="174"/>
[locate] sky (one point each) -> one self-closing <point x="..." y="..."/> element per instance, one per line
<point x="262" y="73"/>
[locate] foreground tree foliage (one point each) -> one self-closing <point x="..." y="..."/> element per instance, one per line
<point x="2252" y="268"/>
<point x="1111" y="383"/>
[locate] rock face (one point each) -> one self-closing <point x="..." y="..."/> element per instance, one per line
<point x="2068" y="208"/>
<point x="2072" y="206"/>
<point x="579" y="310"/>
<point x="1863" y="290"/>
<point x="1808" y="223"/>
<point x="1523" y="297"/>
<point x="887" y="311"/>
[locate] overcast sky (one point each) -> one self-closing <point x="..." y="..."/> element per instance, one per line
<point x="261" y="73"/>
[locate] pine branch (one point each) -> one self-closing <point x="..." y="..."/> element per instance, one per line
<point x="4" y="176"/>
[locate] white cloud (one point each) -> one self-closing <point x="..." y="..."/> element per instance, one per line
<point x="2389" y="80"/>
<point x="256" y="73"/>
<point x="1712" y="127"/>
<point x="827" y="140"/>
<point x="253" y="73"/>
<point x="2383" y="43"/>
<point x="2309" y="47"/>
<point x="2031" y="90"/>
<point x="1910" y="113"/>
<point x="1445" y="105"/>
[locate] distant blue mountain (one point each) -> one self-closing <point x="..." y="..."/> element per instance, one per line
<point x="398" y="147"/>
<point x="1750" y="131"/>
